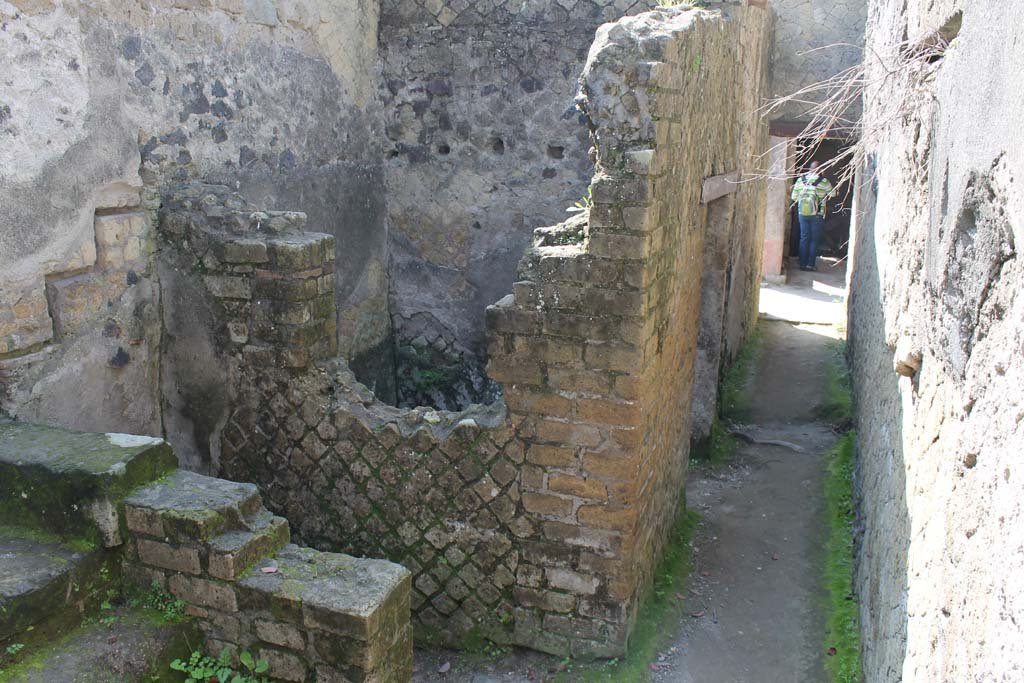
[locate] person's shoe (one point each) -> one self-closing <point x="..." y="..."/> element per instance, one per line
<point x="812" y="269"/>
<point x="804" y="268"/>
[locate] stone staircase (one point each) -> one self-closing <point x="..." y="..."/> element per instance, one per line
<point x="38" y="576"/>
<point x="79" y="512"/>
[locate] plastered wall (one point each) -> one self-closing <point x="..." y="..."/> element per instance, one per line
<point x="936" y="283"/>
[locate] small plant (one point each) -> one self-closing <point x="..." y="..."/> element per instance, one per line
<point x="584" y="203"/>
<point x="169" y="607"/>
<point x="13" y="649"/>
<point x="202" y="668"/>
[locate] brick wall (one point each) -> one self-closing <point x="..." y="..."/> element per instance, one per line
<point x="483" y="145"/>
<point x="538" y="520"/>
<point x="596" y="347"/>
<point x="273" y="282"/>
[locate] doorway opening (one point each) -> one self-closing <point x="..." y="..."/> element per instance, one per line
<point x="839" y="211"/>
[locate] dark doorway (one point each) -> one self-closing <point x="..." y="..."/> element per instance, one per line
<point x="840" y="207"/>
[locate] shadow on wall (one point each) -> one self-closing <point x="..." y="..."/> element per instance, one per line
<point x="882" y="533"/>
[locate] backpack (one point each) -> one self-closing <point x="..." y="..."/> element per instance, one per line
<point x="809" y="198"/>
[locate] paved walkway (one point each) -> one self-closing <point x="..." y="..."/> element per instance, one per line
<point x="816" y="298"/>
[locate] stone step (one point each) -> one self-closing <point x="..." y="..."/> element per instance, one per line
<point x="129" y="646"/>
<point x="233" y="552"/>
<point x="348" y="616"/>
<point x="71" y="482"/>
<point x="45" y="582"/>
<point x="190" y="507"/>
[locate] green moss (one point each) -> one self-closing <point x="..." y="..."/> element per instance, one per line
<point x="78" y="545"/>
<point x="201" y="523"/>
<point x="842" y="633"/>
<point x="734" y="393"/>
<point x="838" y="407"/>
<point x="661" y="612"/>
<point x="733" y="405"/>
<point x="718" y="448"/>
<point x="42" y="659"/>
<point x="476" y="644"/>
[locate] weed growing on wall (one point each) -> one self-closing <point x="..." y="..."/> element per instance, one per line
<point x="200" y="668"/>
<point x="894" y="84"/>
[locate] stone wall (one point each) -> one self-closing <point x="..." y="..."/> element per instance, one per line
<point x="596" y="347"/>
<point x="935" y="342"/>
<point x="540" y="524"/>
<point x="813" y="41"/>
<point x="240" y="287"/>
<point x="105" y="105"/>
<point x="484" y="145"/>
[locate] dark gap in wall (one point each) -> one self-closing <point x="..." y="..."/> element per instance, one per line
<point x="556" y="151"/>
<point x="422" y="363"/>
<point x="497" y="145"/>
<point x="444" y="149"/>
<point x="951" y="29"/>
<point x="840" y="206"/>
<point x="933" y="47"/>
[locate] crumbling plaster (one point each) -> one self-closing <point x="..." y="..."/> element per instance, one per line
<point x="106" y="105"/>
<point x="936" y="290"/>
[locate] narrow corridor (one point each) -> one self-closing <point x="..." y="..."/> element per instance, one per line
<point x="755" y="591"/>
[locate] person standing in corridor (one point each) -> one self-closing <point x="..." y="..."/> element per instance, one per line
<point x="811" y="192"/>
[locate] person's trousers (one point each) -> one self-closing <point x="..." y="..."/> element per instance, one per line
<point x="811" y="228"/>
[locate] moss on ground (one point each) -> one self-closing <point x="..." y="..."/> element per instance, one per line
<point x="78" y="545"/>
<point x="734" y="395"/>
<point x="838" y="407"/>
<point x="842" y="632"/>
<point x="734" y="400"/>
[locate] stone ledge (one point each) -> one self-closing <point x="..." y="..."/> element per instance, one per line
<point x="51" y="476"/>
<point x="193" y="507"/>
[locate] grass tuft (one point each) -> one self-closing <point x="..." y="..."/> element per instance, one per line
<point x="842" y="632"/>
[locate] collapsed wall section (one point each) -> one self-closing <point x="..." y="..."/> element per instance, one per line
<point x="539" y="524"/>
<point x="936" y="344"/>
<point x="483" y="145"/>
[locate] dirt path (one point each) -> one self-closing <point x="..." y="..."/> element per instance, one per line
<point x="757" y="551"/>
<point x="756" y="583"/>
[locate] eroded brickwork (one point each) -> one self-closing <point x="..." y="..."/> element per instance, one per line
<point x="483" y="145"/>
<point x="596" y="346"/>
<point x="542" y="525"/>
<point x="311" y="616"/>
